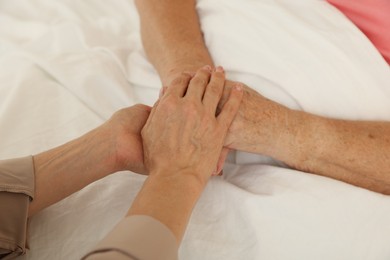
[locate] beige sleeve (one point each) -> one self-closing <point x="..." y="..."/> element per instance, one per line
<point x="134" y="238"/>
<point x="16" y="191"/>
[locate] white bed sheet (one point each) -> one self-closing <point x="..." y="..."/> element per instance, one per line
<point x="66" y="66"/>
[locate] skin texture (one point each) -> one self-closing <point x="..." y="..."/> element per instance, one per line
<point x="172" y="37"/>
<point x="178" y="142"/>
<point x="183" y="138"/>
<point x="114" y="146"/>
<point x="355" y="152"/>
<point x="175" y="26"/>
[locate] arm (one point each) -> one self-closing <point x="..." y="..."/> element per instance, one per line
<point x="114" y="146"/>
<point x="172" y="37"/>
<point x="30" y="184"/>
<point x="182" y="141"/>
<point x="356" y="152"/>
<point x="345" y="161"/>
<point x="173" y="41"/>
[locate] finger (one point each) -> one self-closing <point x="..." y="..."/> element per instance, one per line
<point x="230" y="108"/>
<point x="214" y="90"/>
<point x="222" y="158"/>
<point x="199" y="83"/>
<point x="179" y="85"/>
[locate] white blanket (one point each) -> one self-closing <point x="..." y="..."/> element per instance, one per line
<point x="66" y="66"/>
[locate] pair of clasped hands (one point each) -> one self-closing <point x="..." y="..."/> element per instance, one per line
<point x="184" y="132"/>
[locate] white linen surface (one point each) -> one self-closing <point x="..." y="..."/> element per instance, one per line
<point x="66" y="66"/>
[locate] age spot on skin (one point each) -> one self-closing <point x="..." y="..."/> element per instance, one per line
<point x="371" y="136"/>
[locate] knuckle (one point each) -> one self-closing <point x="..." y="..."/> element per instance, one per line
<point x="169" y="103"/>
<point x="182" y="79"/>
<point x="178" y="81"/>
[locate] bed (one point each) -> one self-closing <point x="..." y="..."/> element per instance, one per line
<point x="66" y="66"/>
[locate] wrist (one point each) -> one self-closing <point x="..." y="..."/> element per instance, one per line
<point x="169" y="199"/>
<point x="83" y="159"/>
<point x="298" y="142"/>
<point x="186" y="177"/>
<point x="98" y="148"/>
<point x="262" y="126"/>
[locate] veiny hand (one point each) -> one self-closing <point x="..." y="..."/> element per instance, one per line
<point x="125" y="134"/>
<point x="225" y="151"/>
<point x="183" y="135"/>
<point x="258" y="123"/>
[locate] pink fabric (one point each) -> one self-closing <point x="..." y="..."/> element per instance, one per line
<point x="373" y="19"/>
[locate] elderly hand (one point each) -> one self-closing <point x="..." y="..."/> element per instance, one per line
<point x="183" y="135"/>
<point x="259" y="125"/>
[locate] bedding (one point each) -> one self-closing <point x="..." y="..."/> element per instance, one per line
<point x="372" y="17"/>
<point x="67" y="65"/>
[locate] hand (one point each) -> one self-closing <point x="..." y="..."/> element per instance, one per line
<point x="259" y="123"/>
<point x="125" y="131"/>
<point x="183" y="134"/>
<point x="189" y="69"/>
<point x="180" y="67"/>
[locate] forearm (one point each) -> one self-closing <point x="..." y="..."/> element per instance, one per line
<point x="355" y="152"/>
<point x="169" y="200"/>
<point x="67" y="169"/>
<point x="172" y="37"/>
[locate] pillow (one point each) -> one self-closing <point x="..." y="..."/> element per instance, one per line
<point x="372" y="17"/>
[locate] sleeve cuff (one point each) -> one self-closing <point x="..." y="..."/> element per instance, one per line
<point x="16" y="191"/>
<point x="138" y="237"/>
<point x="17" y="176"/>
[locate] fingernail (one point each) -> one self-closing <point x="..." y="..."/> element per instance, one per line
<point x="207" y="67"/>
<point x="238" y="86"/>
<point x="220" y="69"/>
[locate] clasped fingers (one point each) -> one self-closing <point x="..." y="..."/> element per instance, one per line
<point x="183" y="129"/>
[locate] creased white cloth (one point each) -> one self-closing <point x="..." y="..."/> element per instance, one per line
<point x="66" y="66"/>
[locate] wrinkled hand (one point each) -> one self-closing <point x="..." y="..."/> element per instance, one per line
<point x="125" y="134"/>
<point x="257" y="126"/>
<point x="183" y="133"/>
<point x="175" y="74"/>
